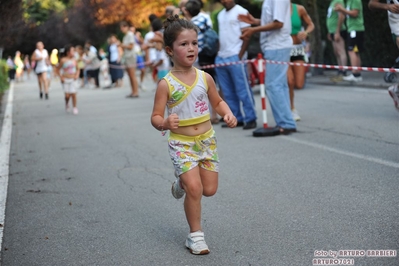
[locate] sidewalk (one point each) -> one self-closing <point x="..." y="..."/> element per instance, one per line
<point x="370" y="80"/>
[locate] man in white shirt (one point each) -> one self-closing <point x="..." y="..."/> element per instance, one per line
<point x="233" y="79"/>
<point x="392" y="6"/>
<point x="276" y="43"/>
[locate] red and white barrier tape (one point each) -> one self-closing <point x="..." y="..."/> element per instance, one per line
<point x="123" y="66"/>
<point x="370" y="69"/>
<point x="227" y="64"/>
<point x="324" y="66"/>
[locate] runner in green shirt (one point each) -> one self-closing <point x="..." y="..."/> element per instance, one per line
<point x="355" y="23"/>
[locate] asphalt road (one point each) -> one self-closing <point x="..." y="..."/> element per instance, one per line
<point x="94" y="189"/>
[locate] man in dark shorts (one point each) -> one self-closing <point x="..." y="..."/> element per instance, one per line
<point x="355" y="39"/>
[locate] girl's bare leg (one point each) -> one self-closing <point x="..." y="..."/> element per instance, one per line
<point x="192" y="184"/>
<point x="74" y="100"/>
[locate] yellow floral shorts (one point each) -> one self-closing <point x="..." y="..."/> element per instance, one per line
<point x="187" y="152"/>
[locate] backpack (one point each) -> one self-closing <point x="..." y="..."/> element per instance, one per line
<point x="211" y="42"/>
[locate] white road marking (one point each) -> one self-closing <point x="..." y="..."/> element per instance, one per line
<point x="5" y="145"/>
<point x="343" y="152"/>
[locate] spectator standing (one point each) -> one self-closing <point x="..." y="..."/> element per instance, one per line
<point x="54" y="59"/>
<point x="42" y="63"/>
<point x="79" y="56"/>
<point x="337" y="34"/>
<point x="11" y="68"/>
<point x="355" y="24"/>
<point x="139" y="54"/>
<point x="92" y="66"/>
<point x="92" y="49"/>
<point x="276" y="43"/>
<point x="115" y="53"/>
<point x="147" y="46"/>
<point x="393" y="19"/>
<point x="233" y="78"/>
<point x="162" y="62"/>
<point x="296" y="74"/>
<point x="129" y="57"/>
<point x="19" y="64"/>
<point x="104" y="66"/>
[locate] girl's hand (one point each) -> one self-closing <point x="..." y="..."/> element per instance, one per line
<point x="230" y="120"/>
<point x="62" y="80"/>
<point x="172" y="122"/>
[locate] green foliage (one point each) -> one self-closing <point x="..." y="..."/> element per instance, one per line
<point x="38" y="11"/>
<point x="3" y="76"/>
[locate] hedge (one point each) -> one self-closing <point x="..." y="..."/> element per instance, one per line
<point x="3" y="76"/>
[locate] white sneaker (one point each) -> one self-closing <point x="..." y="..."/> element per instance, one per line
<point x="394" y="92"/>
<point x="295" y="115"/>
<point x="141" y="87"/>
<point x="75" y="111"/>
<point x="177" y="191"/>
<point x="351" y="77"/>
<point x="195" y="242"/>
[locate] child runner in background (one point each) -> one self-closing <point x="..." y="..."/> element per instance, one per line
<point x="27" y="66"/>
<point x="68" y="72"/>
<point x="41" y="59"/>
<point x="187" y="92"/>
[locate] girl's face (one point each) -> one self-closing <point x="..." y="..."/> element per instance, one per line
<point x="71" y="52"/>
<point x="185" y="48"/>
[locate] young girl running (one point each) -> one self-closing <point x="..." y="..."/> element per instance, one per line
<point x="68" y="72"/>
<point x="187" y="92"/>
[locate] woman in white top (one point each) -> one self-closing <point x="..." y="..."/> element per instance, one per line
<point x="40" y="56"/>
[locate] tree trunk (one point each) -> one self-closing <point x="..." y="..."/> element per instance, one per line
<point x="317" y="45"/>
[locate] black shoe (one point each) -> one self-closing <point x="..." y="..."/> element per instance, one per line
<point x="46" y="95"/>
<point x="250" y="125"/>
<point x="239" y="124"/>
<point x="287" y="131"/>
<point x="41" y="95"/>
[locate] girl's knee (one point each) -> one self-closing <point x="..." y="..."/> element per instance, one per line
<point x="193" y="189"/>
<point x="209" y="191"/>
